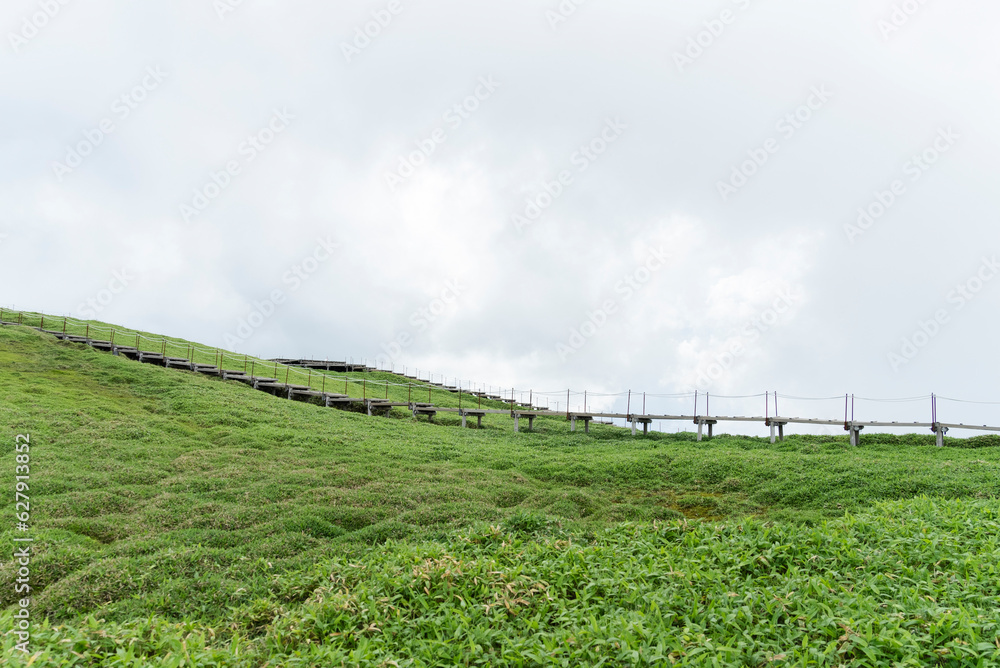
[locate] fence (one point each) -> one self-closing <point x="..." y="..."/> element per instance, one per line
<point x="304" y="378"/>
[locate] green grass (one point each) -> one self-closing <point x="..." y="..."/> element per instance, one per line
<point x="183" y="520"/>
<point x="362" y="385"/>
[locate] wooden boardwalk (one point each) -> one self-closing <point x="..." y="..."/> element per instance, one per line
<point x="517" y="411"/>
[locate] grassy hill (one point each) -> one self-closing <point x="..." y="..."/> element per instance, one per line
<point x="184" y="520"/>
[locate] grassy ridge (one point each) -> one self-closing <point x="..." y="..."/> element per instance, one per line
<point x="210" y="510"/>
<point x="370" y="385"/>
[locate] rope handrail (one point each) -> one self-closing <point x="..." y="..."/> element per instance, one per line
<point x="290" y="371"/>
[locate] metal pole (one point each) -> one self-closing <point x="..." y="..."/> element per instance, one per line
<point x="628" y="404"/>
<point x="696" y="404"/>
<point x="776" y="413"/>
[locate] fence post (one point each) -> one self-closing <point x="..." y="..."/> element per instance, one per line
<point x="64" y="325"/>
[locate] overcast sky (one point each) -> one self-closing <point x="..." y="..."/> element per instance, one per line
<point x="734" y="196"/>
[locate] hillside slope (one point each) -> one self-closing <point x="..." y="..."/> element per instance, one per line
<point x="164" y="498"/>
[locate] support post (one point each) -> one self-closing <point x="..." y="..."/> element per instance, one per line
<point x="781" y="431"/>
<point x="517" y="423"/>
<point x="572" y="423"/>
<point x="700" y="424"/>
<point x="586" y="426"/>
<point x="633" y="426"/>
<point x="463" y="420"/>
<point x="531" y="423"/>
<point x="939" y="433"/>
<point x="479" y="422"/>
<point x="772" y="433"/>
<point x="645" y="428"/>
